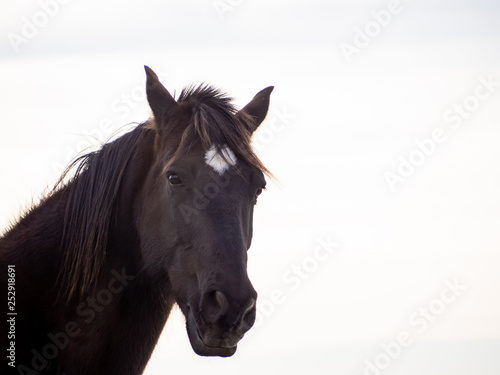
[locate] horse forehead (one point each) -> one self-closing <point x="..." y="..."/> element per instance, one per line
<point x="220" y="160"/>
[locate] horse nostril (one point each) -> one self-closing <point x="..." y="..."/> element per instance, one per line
<point x="214" y="305"/>
<point x="249" y="314"/>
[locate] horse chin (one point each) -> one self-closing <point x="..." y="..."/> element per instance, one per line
<point x="199" y="346"/>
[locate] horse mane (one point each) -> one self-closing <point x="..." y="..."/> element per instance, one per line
<point x="92" y="193"/>
<point x="216" y="123"/>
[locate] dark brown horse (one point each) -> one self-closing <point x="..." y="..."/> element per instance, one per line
<point x="161" y="215"/>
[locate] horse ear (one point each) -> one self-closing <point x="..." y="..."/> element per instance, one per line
<point x="159" y="99"/>
<point x="258" y="106"/>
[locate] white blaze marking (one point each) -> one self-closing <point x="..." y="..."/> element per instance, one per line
<point x="220" y="163"/>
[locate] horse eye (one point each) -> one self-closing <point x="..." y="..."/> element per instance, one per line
<point x="174" y="180"/>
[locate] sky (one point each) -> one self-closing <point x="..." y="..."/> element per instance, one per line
<point x="377" y="248"/>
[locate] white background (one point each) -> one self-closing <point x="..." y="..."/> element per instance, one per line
<point x="80" y="77"/>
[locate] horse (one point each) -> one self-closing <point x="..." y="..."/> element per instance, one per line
<point x="159" y="216"/>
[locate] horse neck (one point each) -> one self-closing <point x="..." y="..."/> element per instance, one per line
<point x="36" y="236"/>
